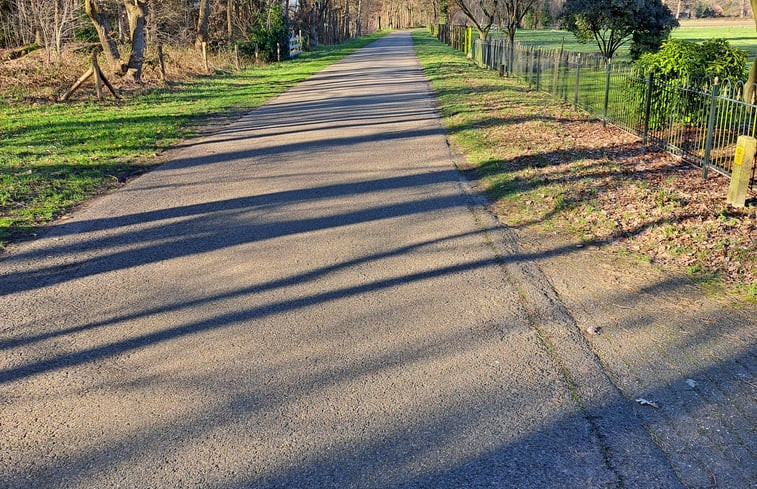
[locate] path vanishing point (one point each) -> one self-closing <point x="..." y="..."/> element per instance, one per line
<point x="311" y="297"/>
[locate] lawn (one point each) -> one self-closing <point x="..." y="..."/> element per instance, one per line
<point x="55" y="155"/>
<point x="741" y="34"/>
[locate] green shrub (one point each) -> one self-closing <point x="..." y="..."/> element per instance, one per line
<point x="270" y="27"/>
<point x="538" y="18"/>
<point x="686" y="60"/>
<point x="688" y="64"/>
<point x="85" y="31"/>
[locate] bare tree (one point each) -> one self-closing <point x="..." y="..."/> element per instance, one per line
<point x="202" y="24"/>
<point x="512" y="13"/>
<point x="136" y="10"/>
<point x="99" y="19"/>
<point x="54" y="21"/>
<point x="481" y="12"/>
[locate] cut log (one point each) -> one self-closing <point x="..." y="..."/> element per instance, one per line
<point x="78" y="83"/>
<point x="107" y="84"/>
<point x="98" y="77"/>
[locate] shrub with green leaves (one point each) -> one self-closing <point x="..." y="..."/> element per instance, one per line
<point x="682" y="70"/>
<point x="694" y="62"/>
<point x="270" y="27"/>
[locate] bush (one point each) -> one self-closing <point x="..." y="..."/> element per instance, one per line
<point x="85" y="31"/>
<point x="270" y="27"/>
<point x="695" y="62"/>
<point x="538" y="18"/>
<point x="687" y="64"/>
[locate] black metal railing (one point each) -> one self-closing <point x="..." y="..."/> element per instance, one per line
<point x="699" y="121"/>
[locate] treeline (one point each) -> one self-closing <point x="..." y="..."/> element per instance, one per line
<point x="255" y="25"/>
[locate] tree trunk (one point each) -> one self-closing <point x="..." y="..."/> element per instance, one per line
<point x="749" y="86"/>
<point x="202" y="24"/>
<point x="120" y="24"/>
<point x="359" y="19"/>
<point x="314" y="19"/>
<point x="58" y="30"/>
<point x="100" y="21"/>
<point x="346" y="34"/>
<point x="229" y="16"/>
<point x="137" y="12"/>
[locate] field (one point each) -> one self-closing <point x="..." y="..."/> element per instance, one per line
<point x="740" y="33"/>
<point x="56" y="155"/>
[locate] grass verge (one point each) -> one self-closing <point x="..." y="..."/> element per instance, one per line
<point x="549" y="168"/>
<point x="57" y="155"/>
<point x="740" y="34"/>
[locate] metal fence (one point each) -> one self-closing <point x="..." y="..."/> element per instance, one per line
<point x="700" y="122"/>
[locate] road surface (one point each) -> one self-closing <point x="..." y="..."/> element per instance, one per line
<point x="310" y="297"/>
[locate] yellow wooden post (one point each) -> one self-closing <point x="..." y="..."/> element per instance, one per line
<point x="741" y="173"/>
<point x="467" y="40"/>
<point x="205" y="55"/>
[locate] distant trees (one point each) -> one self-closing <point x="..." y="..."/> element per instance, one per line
<point x="512" y="14"/>
<point x="54" y="21"/>
<point x="481" y="12"/>
<point x="47" y="23"/>
<point x="124" y="26"/>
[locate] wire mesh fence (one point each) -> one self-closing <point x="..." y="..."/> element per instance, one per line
<point x="699" y="121"/>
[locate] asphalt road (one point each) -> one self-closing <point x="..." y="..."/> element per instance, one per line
<point x="310" y="297"/>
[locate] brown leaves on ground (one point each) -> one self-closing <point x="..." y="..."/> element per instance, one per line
<point x="35" y="78"/>
<point x="555" y="169"/>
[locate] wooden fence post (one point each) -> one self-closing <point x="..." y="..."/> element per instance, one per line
<point x="98" y="79"/>
<point x="556" y="72"/>
<point x="578" y="79"/>
<point x="741" y="172"/>
<point x="205" y="55"/>
<point x="162" y="61"/>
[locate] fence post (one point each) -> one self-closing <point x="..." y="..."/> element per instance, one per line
<point x="556" y="74"/>
<point x="161" y="61"/>
<point x="608" y="69"/>
<point x="710" y="127"/>
<point x="98" y="80"/>
<point x="578" y="79"/>
<point x="648" y="105"/>
<point x="741" y="171"/>
<point x="537" y="63"/>
<point x="205" y="55"/>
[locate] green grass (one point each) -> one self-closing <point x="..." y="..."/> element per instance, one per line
<point x="740" y="34"/>
<point x="550" y="168"/>
<point x="57" y="155"/>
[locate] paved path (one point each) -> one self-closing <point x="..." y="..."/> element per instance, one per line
<point x="308" y="298"/>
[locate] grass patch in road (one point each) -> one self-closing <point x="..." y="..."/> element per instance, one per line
<point x="549" y="168"/>
<point x="57" y="155"/>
